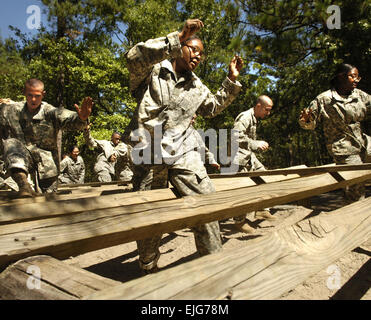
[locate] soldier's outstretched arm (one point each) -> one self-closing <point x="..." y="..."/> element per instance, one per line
<point x="143" y="56"/>
<point x="86" y="108"/>
<point x="309" y="117"/>
<point x="235" y="67"/>
<point x="216" y="103"/>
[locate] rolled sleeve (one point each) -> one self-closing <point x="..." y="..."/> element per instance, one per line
<point x="232" y="87"/>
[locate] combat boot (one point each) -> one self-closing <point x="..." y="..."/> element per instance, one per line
<point x="244" y="227"/>
<point x="265" y="214"/>
<point x="149" y="271"/>
<point x="25" y="189"/>
<point x="149" y="267"/>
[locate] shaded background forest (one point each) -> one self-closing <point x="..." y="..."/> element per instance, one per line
<point x="289" y="53"/>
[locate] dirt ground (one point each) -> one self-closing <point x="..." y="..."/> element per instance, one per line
<point x="347" y="278"/>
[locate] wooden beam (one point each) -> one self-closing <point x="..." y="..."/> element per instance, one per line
<point x="66" y="236"/>
<point x="67" y="206"/>
<point x="70" y="204"/>
<point x="9" y="197"/>
<point x="92" y="184"/>
<point x="265" y="268"/>
<point x="91" y="190"/>
<point x="45" y="278"/>
<point x="299" y="171"/>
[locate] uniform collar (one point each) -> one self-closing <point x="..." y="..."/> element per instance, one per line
<point x="338" y="97"/>
<point x="254" y="119"/>
<point x="36" y="115"/>
<point x="184" y="77"/>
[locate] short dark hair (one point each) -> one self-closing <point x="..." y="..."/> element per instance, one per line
<point x="34" y="83"/>
<point x="116" y="132"/>
<point x="192" y="37"/>
<point x="72" y="148"/>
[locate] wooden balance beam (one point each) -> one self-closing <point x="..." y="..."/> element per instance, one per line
<point x="264" y="268"/>
<point x="74" y="234"/>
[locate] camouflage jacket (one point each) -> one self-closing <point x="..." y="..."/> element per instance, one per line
<point x="108" y="149"/>
<point x="72" y="171"/>
<point x="245" y="125"/>
<point x="166" y="100"/>
<point x="195" y="154"/>
<point x="38" y="132"/>
<point x="340" y="119"/>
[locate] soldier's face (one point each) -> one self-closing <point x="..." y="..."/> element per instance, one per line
<point x="74" y="154"/>
<point x="193" y="52"/>
<point x="263" y="110"/>
<point x="34" y="97"/>
<point x="116" y="139"/>
<point x="352" y="78"/>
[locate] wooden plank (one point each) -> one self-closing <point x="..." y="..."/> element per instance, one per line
<point x="265" y="268"/>
<point x="34" y="211"/>
<point x="45" y="278"/>
<point x="299" y="171"/>
<point x="74" y="193"/>
<point x="68" y="204"/>
<point x="95" y="189"/>
<point x="70" y="235"/>
<point x="92" y="184"/>
<point x="282" y="177"/>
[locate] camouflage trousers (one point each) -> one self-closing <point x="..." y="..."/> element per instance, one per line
<point x="104" y="176"/>
<point x="104" y="170"/>
<point x="125" y="175"/>
<point x="255" y="165"/>
<point x="65" y="180"/>
<point x="17" y="156"/>
<point x="357" y="191"/>
<point x="207" y="236"/>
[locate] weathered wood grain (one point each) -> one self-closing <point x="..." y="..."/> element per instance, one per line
<point x="265" y="268"/>
<point x="299" y="171"/>
<point x="71" y="204"/>
<point x="68" y="205"/>
<point x="70" y="235"/>
<point x="45" y="278"/>
<point x="9" y="197"/>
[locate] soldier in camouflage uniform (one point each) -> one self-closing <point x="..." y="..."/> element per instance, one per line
<point x="168" y="94"/>
<point x="246" y="160"/>
<point x="72" y="168"/>
<point x="29" y="132"/>
<point x="5" y="180"/>
<point x="111" y="152"/>
<point x="188" y="175"/>
<point x="123" y="168"/>
<point x="2" y="172"/>
<point x="341" y="109"/>
<point x="190" y="165"/>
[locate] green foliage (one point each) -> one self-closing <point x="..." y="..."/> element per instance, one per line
<point x="13" y="71"/>
<point x="291" y="40"/>
<point x="289" y="54"/>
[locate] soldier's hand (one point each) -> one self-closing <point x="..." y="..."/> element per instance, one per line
<point x="305" y="115"/>
<point x="190" y="27"/>
<point x="235" y="67"/>
<point x="216" y="165"/>
<point x="86" y="108"/>
<point x="263" y="145"/>
<point x="112" y="158"/>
